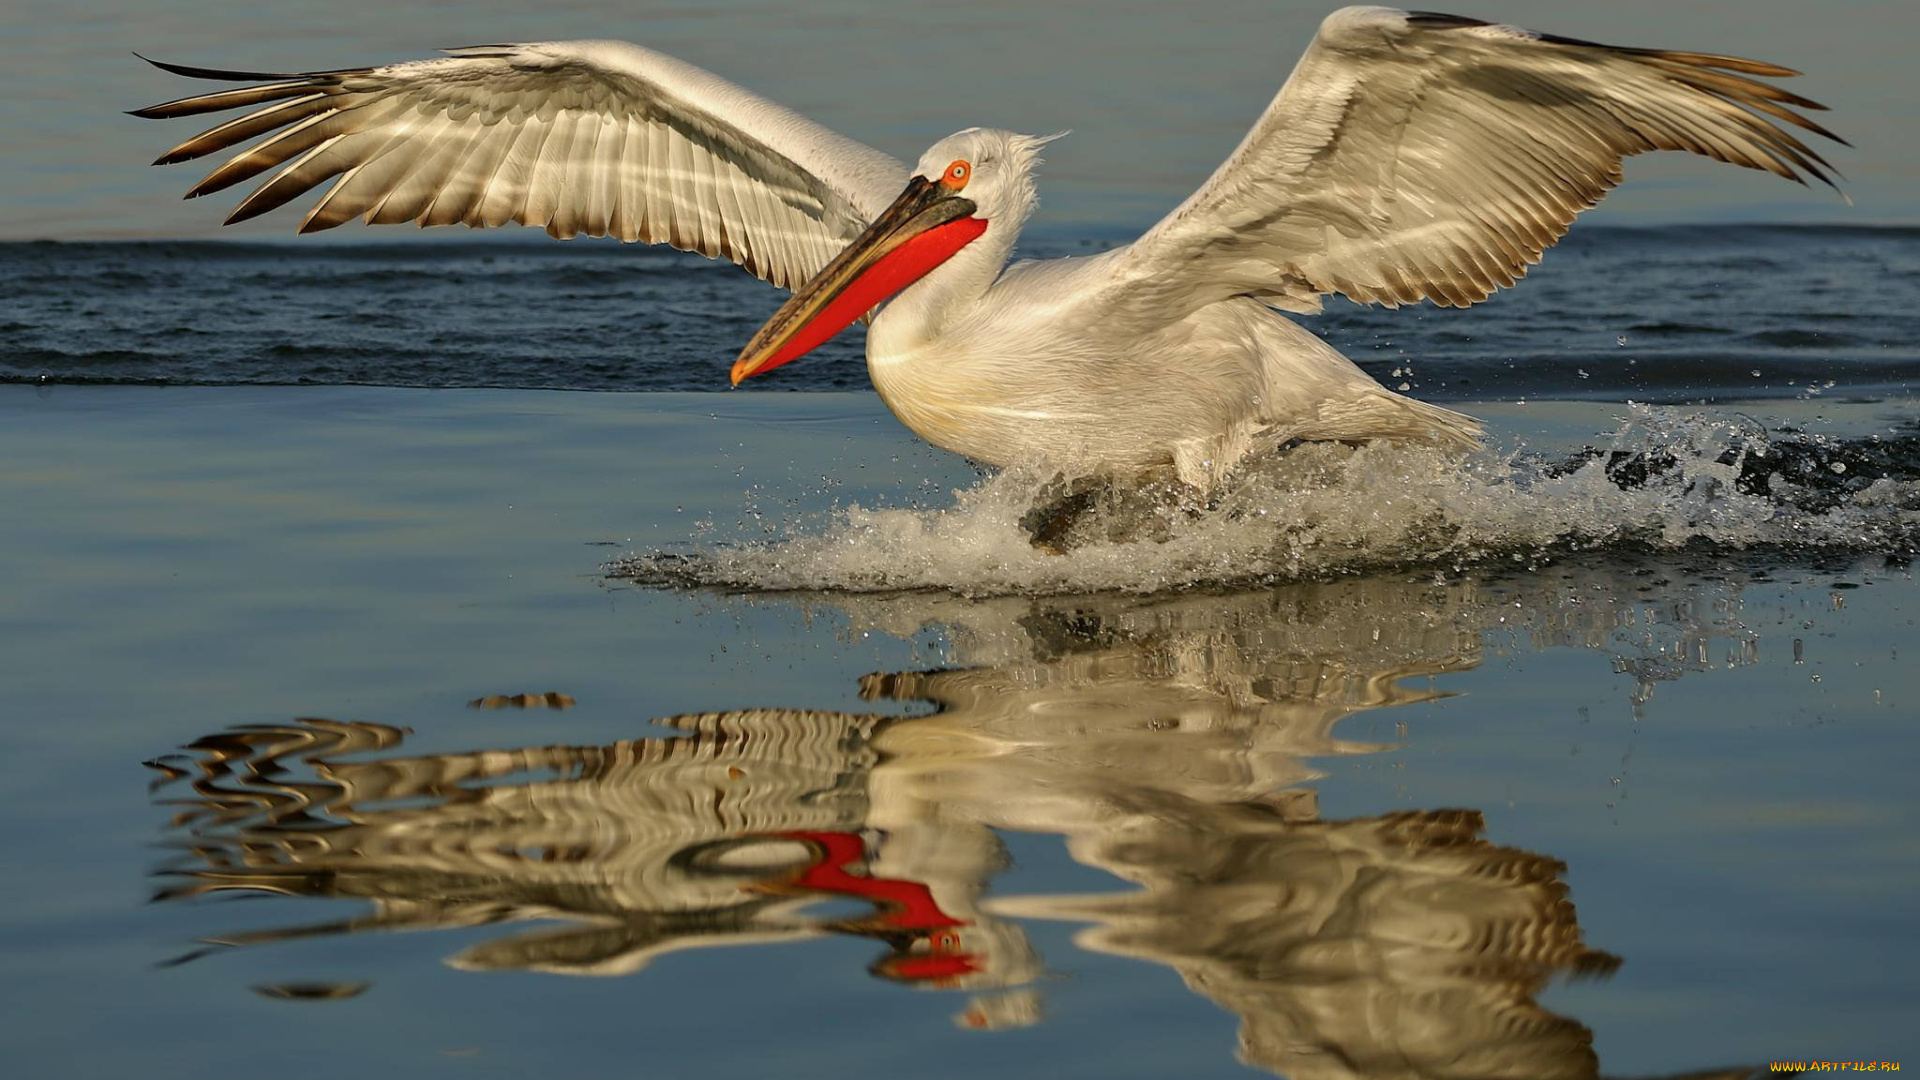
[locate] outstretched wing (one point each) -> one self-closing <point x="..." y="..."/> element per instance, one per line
<point x="1417" y="156"/>
<point x="597" y="137"/>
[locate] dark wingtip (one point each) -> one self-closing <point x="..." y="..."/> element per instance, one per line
<point x="246" y="211"/>
<point x="313" y="226"/>
<point x="1440" y="20"/>
<point x="217" y="73"/>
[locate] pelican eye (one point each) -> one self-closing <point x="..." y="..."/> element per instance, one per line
<point x="957" y="175"/>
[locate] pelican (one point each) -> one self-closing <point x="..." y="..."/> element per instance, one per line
<point x="1410" y="156"/>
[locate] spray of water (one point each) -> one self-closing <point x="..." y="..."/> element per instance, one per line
<point x="1666" y="479"/>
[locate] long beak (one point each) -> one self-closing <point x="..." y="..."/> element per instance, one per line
<point x="922" y="229"/>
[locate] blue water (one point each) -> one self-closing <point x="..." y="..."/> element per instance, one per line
<point x="1677" y="314"/>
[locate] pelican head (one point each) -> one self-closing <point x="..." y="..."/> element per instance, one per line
<point x="1001" y="163"/>
<point x="963" y="184"/>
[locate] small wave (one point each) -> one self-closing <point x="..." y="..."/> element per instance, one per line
<point x="64" y="362"/>
<point x="1668" y="479"/>
<point x="1671" y="329"/>
<point x="1796" y="338"/>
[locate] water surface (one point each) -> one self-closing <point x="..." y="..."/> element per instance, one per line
<point x="1627" y="810"/>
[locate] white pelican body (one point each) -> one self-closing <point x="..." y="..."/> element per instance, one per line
<point x="1410" y="156"/>
<point x="1040" y="364"/>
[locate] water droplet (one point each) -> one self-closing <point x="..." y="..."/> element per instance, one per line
<point x="1621" y="341"/>
<point x="1838" y="466"/>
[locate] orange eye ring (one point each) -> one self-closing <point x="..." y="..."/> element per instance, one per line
<point x="957" y="175"/>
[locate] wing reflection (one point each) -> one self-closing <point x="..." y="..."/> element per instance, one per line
<point x="1170" y="743"/>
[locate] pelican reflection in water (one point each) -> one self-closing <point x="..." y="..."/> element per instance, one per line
<point x="1169" y="743"/>
<point x="1410" y="156"/>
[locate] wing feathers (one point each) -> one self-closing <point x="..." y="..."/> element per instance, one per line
<point x="226" y="99"/>
<point x="290" y="183"/>
<point x="1428" y="156"/>
<point x="1701" y="60"/>
<point x="297" y="139"/>
<point x="240" y="129"/>
<point x="601" y="138"/>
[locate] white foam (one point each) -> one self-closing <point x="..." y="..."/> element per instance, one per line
<point x="1319" y="510"/>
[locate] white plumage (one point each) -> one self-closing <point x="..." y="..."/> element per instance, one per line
<point x="1411" y="156"/>
<point x="601" y="138"/>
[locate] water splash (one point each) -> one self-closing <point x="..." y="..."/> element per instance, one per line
<point x="1666" y="479"/>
